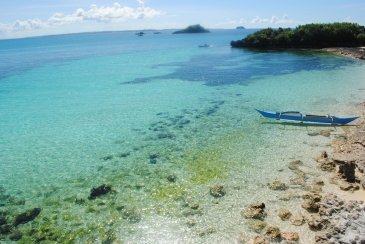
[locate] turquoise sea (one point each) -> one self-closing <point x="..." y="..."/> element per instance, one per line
<point x="160" y="120"/>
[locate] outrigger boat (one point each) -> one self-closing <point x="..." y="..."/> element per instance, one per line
<point x="298" y="116"/>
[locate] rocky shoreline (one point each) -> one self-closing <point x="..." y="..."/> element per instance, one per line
<point x="352" y="52"/>
<point x="334" y="207"/>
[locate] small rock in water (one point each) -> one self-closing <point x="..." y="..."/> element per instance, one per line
<point x="217" y="191"/>
<point x="254" y="211"/>
<point x="131" y="215"/>
<point x="99" y="191"/>
<point x="256" y="225"/>
<point x="124" y="155"/>
<point x="273" y="232"/>
<point x="278" y="186"/>
<point x="171" y="178"/>
<point x="260" y="240"/>
<point x="27" y="216"/>
<point x="310" y="205"/>
<point x="297" y="220"/>
<point x="290" y="236"/>
<point x="106" y="158"/>
<point x="284" y="214"/>
<point x="316" y="223"/>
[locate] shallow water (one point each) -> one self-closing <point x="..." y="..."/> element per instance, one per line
<point x="78" y="111"/>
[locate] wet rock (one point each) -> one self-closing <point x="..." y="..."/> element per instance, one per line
<point x="194" y="205"/>
<point x="313" y="133"/>
<point x="5" y="229"/>
<point x="256" y="225"/>
<point x="16" y="235"/>
<point x="297" y="220"/>
<point x="299" y="181"/>
<point x="192" y="212"/>
<point x="327" y="165"/>
<point x="217" y="191"/>
<point x="99" y="191"/>
<point x="316" y="223"/>
<point x="347" y="170"/>
<point x="260" y="240"/>
<point x="287" y="196"/>
<point x="345" y="186"/>
<point x="362" y="182"/>
<point x="290" y="236"/>
<point x="273" y="233"/>
<point x="278" y="186"/>
<point x="254" y="211"/>
<point x="310" y="205"/>
<point x="284" y="214"/>
<point x="171" y="178"/>
<point x="27" y="216"/>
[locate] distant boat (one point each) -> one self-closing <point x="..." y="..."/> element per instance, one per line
<point x="205" y="45"/>
<point x="298" y="116"/>
<point x="140" y="33"/>
<point x="157" y="32"/>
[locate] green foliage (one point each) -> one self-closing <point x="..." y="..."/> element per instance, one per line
<point x="306" y="36"/>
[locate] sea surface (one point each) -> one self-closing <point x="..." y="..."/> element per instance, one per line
<point x="160" y="121"/>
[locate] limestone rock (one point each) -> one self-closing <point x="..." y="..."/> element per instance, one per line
<point x="217" y="191"/>
<point x="278" y="186"/>
<point x="310" y="205"/>
<point x="260" y="240"/>
<point x="273" y="233"/>
<point x="284" y="214"/>
<point x="316" y="223"/>
<point x="254" y="211"/>
<point x="290" y="236"/>
<point x="256" y="225"/>
<point x="297" y="220"/>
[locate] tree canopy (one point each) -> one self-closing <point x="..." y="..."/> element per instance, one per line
<point x="306" y="36"/>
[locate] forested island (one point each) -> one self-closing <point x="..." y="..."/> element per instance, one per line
<point x="306" y="36"/>
<point x="192" y="29"/>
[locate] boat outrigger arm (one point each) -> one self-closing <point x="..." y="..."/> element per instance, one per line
<point x="305" y="115"/>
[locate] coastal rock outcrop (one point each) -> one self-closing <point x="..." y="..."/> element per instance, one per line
<point x="290" y="236"/>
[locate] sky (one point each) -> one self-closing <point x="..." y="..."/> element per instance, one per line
<point x="23" y="18"/>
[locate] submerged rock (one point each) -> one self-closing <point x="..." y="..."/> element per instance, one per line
<point x="256" y="225"/>
<point x="278" y="186"/>
<point x="16" y="235"/>
<point x="284" y="214"/>
<point x="27" y="216"/>
<point x="132" y="215"/>
<point x="99" y="191"/>
<point x="5" y="229"/>
<point x="171" y="178"/>
<point x="297" y="220"/>
<point x="260" y="240"/>
<point x="273" y="233"/>
<point x="217" y="191"/>
<point x="254" y="211"/>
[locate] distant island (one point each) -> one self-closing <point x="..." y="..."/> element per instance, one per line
<point x="240" y="28"/>
<point x="306" y="36"/>
<point x="192" y="29"/>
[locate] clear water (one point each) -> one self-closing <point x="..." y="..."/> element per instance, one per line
<point x="78" y="111"/>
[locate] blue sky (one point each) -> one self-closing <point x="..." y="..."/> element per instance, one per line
<point x="19" y="18"/>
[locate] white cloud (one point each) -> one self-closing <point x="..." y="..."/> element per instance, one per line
<point x="274" y="20"/>
<point x="115" y="12"/>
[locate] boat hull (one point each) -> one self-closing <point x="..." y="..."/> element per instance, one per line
<point x="296" y="116"/>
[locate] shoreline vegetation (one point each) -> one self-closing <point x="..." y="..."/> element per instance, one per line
<point x="337" y="215"/>
<point x="310" y="36"/>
